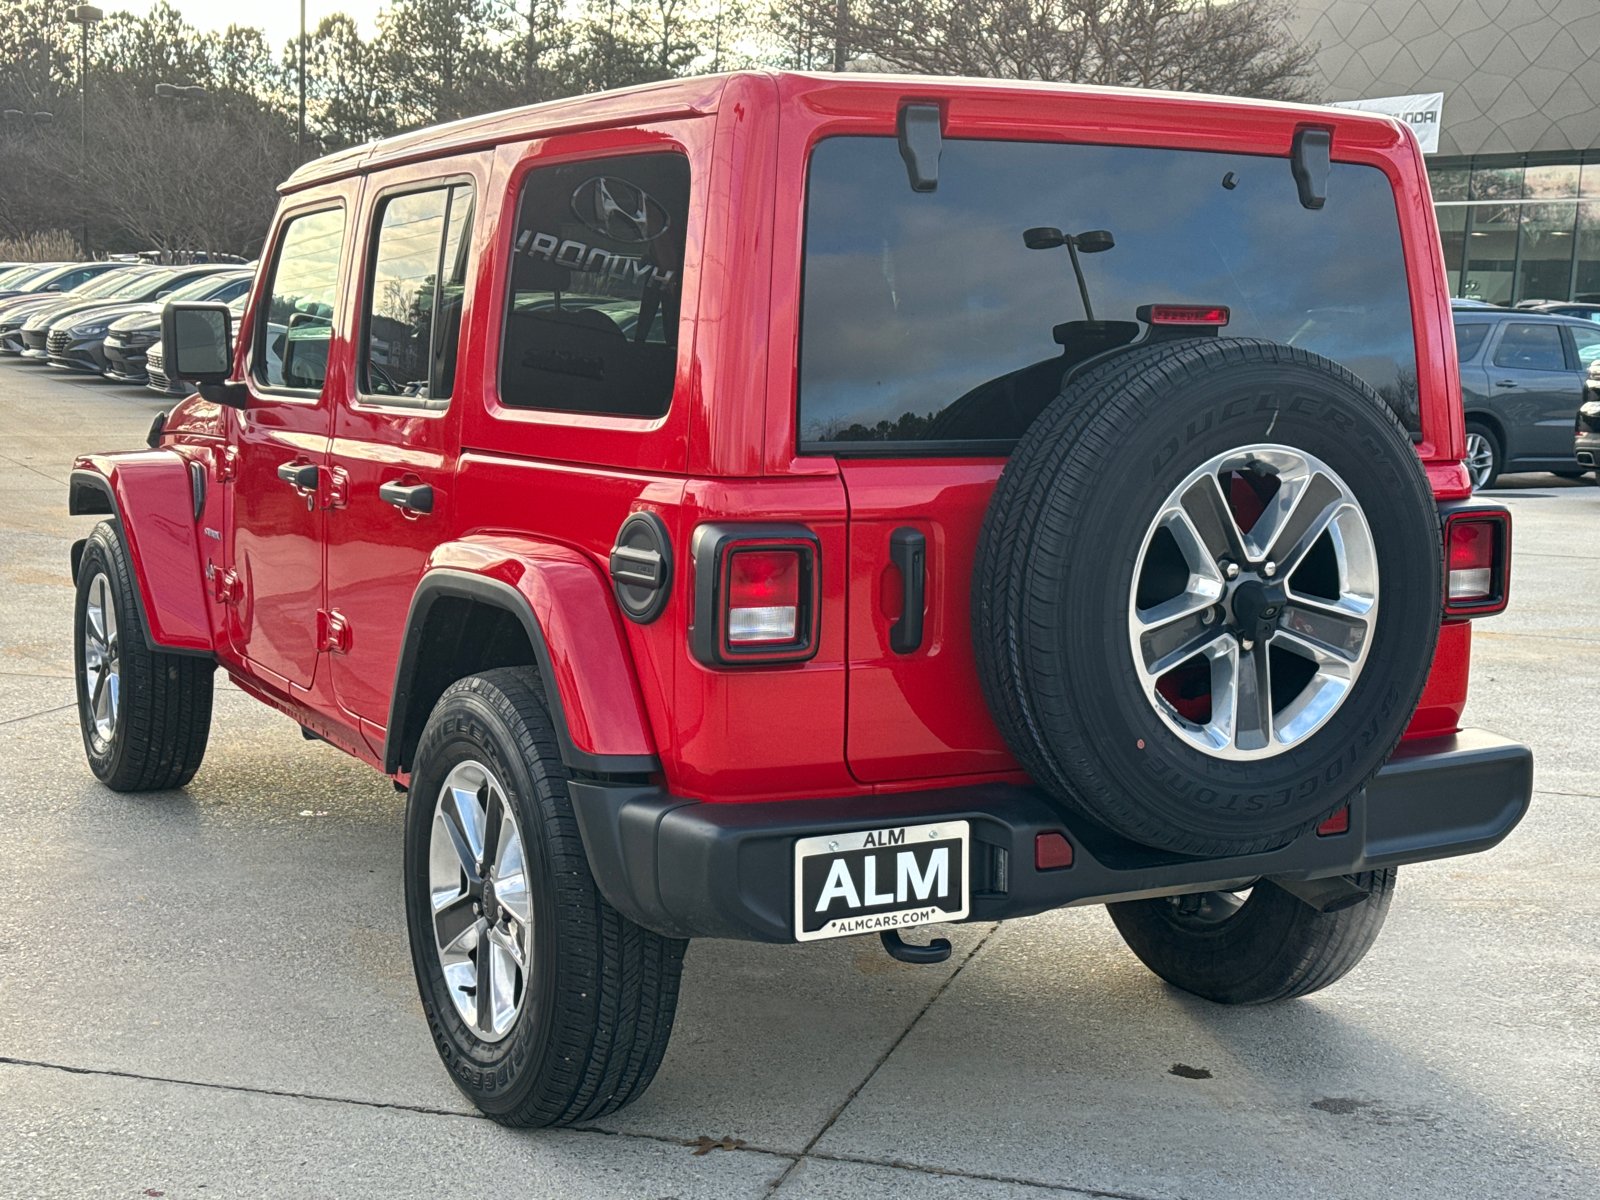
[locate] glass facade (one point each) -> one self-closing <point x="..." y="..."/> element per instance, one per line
<point x="1516" y="230"/>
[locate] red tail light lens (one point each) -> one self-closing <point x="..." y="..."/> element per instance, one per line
<point x="1188" y="314"/>
<point x="757" y="594"/>
<point x="1477" y="545"/>
<point x="763" y="596"/>
<point x="1471" y="560"/>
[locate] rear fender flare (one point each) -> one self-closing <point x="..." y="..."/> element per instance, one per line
<point x="567" y="612"/>
<point x="150" y="496"/>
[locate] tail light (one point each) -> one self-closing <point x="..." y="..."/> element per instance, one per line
<point x="756" y="594"/>
<point x="1477" y="553"/>
<point x="1184" y="314"/>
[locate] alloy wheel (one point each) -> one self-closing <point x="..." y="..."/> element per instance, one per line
<point x="1480" y="460"/>
<point x="1254" y="601"/>
<point x="481" y="902"/>
<point x="102" y="659"/>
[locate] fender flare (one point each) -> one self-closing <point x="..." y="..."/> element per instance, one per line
<point x="150" y="497"/>
<point x="599" y="715"/>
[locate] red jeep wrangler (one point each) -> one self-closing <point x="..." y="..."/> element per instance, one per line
<point x="781" y="507"/>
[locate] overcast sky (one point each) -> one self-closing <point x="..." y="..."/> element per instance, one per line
<point x="280" y="18"/>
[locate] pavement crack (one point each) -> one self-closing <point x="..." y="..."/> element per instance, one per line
<point x="35" y="470"/>
<point x="43" y="712"/>
<point x="6" y="1060"/>
<point x="983" y="1176"/>
<point x="882" y="1058"/>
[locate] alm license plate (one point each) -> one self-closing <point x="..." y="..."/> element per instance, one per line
<point x="877" y="879"/>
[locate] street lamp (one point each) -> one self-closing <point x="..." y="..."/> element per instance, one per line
<point x="176" y="91"/>
<point x="85" y="15"/>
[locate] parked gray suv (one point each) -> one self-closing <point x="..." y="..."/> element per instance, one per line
<point x="1521" y="383"/>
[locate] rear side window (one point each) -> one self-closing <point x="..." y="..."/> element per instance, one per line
<point x="928" y="326"/>
<point x="1530" y="347"/>
<point x="596" y="286"/>
<point x="1587" y="344"/>
<point x="1469" y="340"/>
<point x="414" y="294"/>
<point x="292" y="342"/>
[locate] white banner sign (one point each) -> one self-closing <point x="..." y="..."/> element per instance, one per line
<point x="1424" y="112"/>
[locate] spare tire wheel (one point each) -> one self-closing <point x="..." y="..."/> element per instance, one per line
<point x="1207" y="593"/>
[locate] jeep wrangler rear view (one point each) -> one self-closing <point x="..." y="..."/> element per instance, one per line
<point x="782" y="507"/>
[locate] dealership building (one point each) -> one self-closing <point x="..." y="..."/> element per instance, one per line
<point x="1516" y="172"/>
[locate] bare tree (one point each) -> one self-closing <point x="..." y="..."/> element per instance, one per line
<point x="1237" y="47"/>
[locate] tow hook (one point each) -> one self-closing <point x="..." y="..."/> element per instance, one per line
<point x="935" y="951"/>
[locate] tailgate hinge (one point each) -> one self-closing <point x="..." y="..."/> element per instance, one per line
<point x="333" y="631"/>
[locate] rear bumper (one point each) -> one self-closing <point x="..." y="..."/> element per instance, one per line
<point x="690" y="869"/>
<point x="1586" y="449"/>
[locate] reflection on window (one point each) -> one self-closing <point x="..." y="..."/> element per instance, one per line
<point x="1530" y="347"/>
<point x="1544" y="265"/>
<point x="596" y="286"/>
<point x="412" y="322"/>
<point x="1587" y="273"/>
<point x="1469" y="340"/>
<point x="927" y="319"/>
<point x="293" y="348"/>
<point x="1491" y="252"/>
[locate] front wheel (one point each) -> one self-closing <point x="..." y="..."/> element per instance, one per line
<point x="546" y="1005"/>
<point x="145" y="715"/>
<point x="1256" y="948"/>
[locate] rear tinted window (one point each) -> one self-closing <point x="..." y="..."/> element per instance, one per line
<point x="926" y="320"/>
<point x="596" y="281"/>
<point x="1469" y="339"/>
<point x="1531" y="347"/>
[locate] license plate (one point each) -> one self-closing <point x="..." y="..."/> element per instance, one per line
<point x="877" y="879"/>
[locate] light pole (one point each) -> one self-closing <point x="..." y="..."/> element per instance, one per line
<point x="85" y="15"/>
<point x="302" y="73"/>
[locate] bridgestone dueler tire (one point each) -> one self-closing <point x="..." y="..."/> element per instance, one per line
<point x="160" y="734"/>
<point x="1054" y="574"/>
<point x="603" y="992"/>
<point x="1275" y="947"/>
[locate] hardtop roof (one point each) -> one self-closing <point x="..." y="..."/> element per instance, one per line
<point x="699" y="95"/>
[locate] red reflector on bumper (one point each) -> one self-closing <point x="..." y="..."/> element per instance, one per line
<point x="1051" y="852"/>
<point x="1338" y="823"/>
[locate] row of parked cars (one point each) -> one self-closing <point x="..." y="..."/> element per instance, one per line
<point x="104" y="318"/>
<point x="1529" y="376"/>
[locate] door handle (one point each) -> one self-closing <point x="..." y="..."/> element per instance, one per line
<point x="908" y="550"/>
<point x="299" y="475"/>
<point x="415" y="497"/>
<point x="1505" y="383"/>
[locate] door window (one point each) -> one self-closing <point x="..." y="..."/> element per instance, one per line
<point x="292" y="343"/>
<point x="1469" y="340"/>
<point x="596" y="286"/>
<point x="1587" y="343"/>
<point x="1530" y="347"/>
<point x="413" y="321"/>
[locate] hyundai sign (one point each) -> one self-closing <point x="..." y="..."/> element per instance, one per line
<point x="1423" y="112"/>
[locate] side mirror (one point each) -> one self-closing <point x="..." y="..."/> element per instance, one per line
<point x="197" y="342"/>
<point x="54" y="287"/>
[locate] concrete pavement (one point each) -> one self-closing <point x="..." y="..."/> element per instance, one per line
<point x="208" y="993"/>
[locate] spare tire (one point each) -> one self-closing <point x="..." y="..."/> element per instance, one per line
<point x="1207" y="592"/>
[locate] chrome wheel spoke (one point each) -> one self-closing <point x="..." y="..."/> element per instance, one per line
<point x="1324" y="635"/>
<point x="1176" y="641"/>
<point x="101" y="658"/>
<point x="1212" y="519"/>
<point x="1252" y="722"/>
<point x="1298" y="529"/>
<point x="453" y="921"/>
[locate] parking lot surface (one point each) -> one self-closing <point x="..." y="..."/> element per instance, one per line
<point x="208" y="992"/>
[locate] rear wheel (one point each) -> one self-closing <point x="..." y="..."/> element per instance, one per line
<point x="1256" y="947"/>
<point x="145" y="715"/>
<point x="1485" y="457"/>
<point x="546" y="1005"/>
